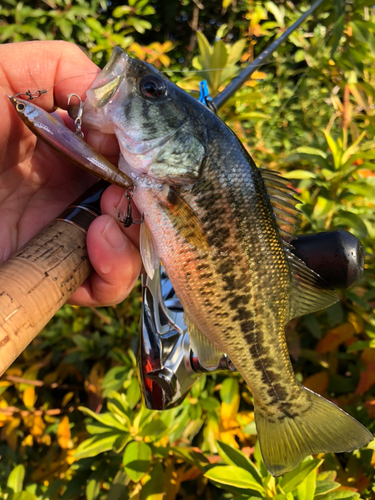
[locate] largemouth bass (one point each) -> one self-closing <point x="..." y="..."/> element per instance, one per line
<point x="221" y="227"/>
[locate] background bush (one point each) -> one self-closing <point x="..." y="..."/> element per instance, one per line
<point x="72" y="423"/>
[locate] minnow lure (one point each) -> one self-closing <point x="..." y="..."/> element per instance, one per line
<point x="56" y="135"/>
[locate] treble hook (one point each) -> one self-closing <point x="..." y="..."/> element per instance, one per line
<point x="127" y="220"/>
<point x="78" y="120"/>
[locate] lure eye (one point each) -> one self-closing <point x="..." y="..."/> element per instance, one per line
<point x="152" y="87"/>
<point x="20" y="107"/>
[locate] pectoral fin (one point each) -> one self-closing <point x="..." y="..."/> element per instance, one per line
<point x="149" y="254"/>
<point x="208" y="355"/>
<point x="185" y="220"/>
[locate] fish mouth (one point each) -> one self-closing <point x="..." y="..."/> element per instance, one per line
<point x="109" y="79"/>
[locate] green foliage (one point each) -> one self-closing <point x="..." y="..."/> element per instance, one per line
<point x="71" y="419"/>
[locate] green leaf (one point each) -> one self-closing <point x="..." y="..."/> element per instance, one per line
<point x="7" y="32"/>
<point x="336" y="153"/>
<point x="312" y="151"/>
<point x="277" y="12"/>
<point x="121" y="11"/>
<point x="254" y="115"/>
<point x="15" y="479"/>
<point x="353" y="148"/>
<point x="231" y="456"/>
<point x="364" y="34"/>
<point x="152" y="484"/>
<point x="306" y="490"/>
<point x="119" y="487"/>
<point x="353" y="221"/>
<point x="190" y="456"/>
<point x="360" y="345"/>
<point x="205" y="50"/>
<point x="323" y="487"/>
<point x="229" y="390"/>
<point x="154" y="430"/>
<point x="114" y="379"/>
<point x="234" y="476"/>
<point x="133" y="393"/>
<point x="327" y="475"/>
<point x="95" y="445"/>
<point x="223" y="29"/>
<point x="121" y="442"/>
<point x="23" y="495"/>
<point x="137" y="460"/>
<point x="340" y="495"/>
<point x="291" y="480"/>
<point x="33" y="31"/>
<point x="92" y="489"/>
<point x="107" y="419"/>
<point x="322" y="207"/>
<point x="95" y="25"/>
<point x="66" y="28"/>
<point x="82" y="342"/>
<point x="299" y="174"/>
<point x="226" y="3"/>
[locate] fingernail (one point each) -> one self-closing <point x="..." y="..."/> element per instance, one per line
<point x="114" y="236"/>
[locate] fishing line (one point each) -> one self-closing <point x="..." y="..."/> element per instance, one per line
<point x="240" y="68"/>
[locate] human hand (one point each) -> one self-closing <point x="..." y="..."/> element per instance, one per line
<point x="36" y="184"/>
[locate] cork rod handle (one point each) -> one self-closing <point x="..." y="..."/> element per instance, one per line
<point x="43" y="274"/>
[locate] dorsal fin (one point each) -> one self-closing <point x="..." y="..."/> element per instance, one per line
<point x="283" y="203"/>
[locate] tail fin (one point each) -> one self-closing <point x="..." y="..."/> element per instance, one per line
<point x="287" y="438"/>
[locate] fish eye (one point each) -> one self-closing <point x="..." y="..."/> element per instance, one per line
<point x="20" y="106"/>
<point x="152" y="86"/>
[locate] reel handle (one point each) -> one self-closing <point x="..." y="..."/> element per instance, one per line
<point x="43" y="274"/>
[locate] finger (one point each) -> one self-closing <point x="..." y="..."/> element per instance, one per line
<point x="59" y="67"/>
<point x="38" y="65"/>
<point x="116" y="262"/>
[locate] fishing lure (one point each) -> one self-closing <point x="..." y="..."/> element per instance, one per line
<point x="56" y="135"/>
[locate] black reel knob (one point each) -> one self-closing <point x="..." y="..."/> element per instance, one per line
<point x="337" y="256"/>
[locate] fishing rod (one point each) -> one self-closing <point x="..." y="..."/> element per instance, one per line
<point x="43" y="274"/>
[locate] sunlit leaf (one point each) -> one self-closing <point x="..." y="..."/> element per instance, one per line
<point x="231" y="456"/>
<point x="152" y="484"/>
<point x="29" y="397"/>
<point x="291" y="480"/>
<point x="323" y="487"/>
<point x="191" y="456"/>
<point x="95" y="445"/>
<point x="137" y="459"/>
<point x="234" y="476"/>
<point x="299" y="174"/>
<point x="92" y="489"/>
<point x="15" y="479"/>
<point x="63" y="433"/>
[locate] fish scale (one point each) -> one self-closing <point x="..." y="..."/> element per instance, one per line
<point x="221" y="228"/>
